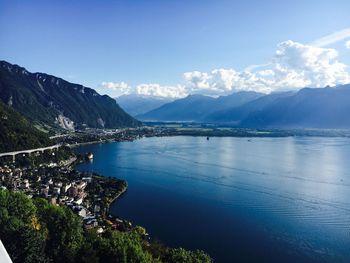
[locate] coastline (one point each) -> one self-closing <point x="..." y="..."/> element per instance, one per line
<point x="115" y="199"/>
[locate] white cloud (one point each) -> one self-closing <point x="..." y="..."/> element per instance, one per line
<point x="116" y="89"/>
<point x="297" y="65"/>
<point x="161" y="91"/>
<point x="332" y="38"/>
<point x="293" y="66"/>
<point x="224" y="81"/>
<point x="347" y="44"/>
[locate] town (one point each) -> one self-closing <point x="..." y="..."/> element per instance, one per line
<point x="51" y="175"/>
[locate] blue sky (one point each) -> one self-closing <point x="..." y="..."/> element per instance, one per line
<point x="140" y="42"/>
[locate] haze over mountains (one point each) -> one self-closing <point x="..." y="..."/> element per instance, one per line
<point x="135" y="104"/>
<point x="197" y="107"/>
<point x="307" y="108"/>
<point x="49" y="100"/>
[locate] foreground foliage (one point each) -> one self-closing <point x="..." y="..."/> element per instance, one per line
<point x="17" y="133"/>
<point x="34" y="231"/>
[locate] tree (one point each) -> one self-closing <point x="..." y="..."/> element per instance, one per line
<point x="16" y="230"/>
<point x="122" y="248"/>
<point x="64" y="230"/>
<point x="180" y="255"/>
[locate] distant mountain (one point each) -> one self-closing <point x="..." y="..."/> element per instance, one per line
<point x="197" y="107"/>
<point x="308" y="108"/>
<point x="234" y="115"/>
<point x="16" y="133"/>
<point x="191" y="108"/>
<point x="138" y="104"/>
<point x="234" y="100"/>
<point x="43" y="98"/>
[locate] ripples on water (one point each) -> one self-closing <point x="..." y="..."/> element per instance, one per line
<point x="264" y="200"/>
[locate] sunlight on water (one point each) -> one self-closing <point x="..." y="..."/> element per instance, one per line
<point x="283" y="198"/>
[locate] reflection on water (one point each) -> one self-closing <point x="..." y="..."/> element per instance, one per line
<point x="257" y="200"/>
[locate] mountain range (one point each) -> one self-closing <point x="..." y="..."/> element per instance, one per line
<point x="52" y="101"/>
<point x="197" y="107"/>
<point x="46" y="100"/>
<point x="308" y="108"/>
<point x="327" y="107"/>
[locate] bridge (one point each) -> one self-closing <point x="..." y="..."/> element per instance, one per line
<point x="13" y="154"/>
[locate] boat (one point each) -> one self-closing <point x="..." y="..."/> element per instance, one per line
<point x="89" y="156"/>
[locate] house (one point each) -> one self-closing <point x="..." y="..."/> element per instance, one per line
<point x="80" y="210"/>
<point x="66" y="187"/>
<point x="44" y="190"/>
<point x="97" y="208"/>
<point x="72" y="191"/>
<point x="25" y="184"/>
<point x="81" y="185"/>
<point x="57" y="190"/>
<point x="79" y="201"/>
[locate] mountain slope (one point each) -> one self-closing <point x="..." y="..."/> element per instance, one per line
<point x="47" y="99"/>
<point x="234" y="115"/>
<point x="234" y="100"/>
<point x="197" y="107"/>
<point x="138" y="104"/>
<point x="16" y="133"/>
<point x="191" y="108"/>
<point x="308" y="108"/>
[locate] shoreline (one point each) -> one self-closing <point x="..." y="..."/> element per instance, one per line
<point x="115" y="199"/>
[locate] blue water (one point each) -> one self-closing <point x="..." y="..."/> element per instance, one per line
<point x="264" y="200"/>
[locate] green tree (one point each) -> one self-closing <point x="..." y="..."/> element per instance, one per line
<point x="64" y="230"/>
<point x="23" y="242"/>
<point x="180" y="255"/>
<point x="122" y="248"/>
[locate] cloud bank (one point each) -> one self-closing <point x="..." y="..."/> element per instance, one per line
<point x="293" y="66"/>
<point x="117" y="89"/>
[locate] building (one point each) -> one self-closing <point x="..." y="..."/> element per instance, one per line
<point x="72" y="191"/>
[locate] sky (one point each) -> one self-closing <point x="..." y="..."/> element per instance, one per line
<point x="175" y="48"/>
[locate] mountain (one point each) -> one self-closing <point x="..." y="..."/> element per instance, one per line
<point x="191" y="108"/>
<point x="16" y="133"/>
<point x="197" y="107"/>
<point x="308" y="108"/>
<point x="138" y="104"/>
<point x="50" y="100"/>
<point x="234" y="100"/>
<point x="234" y="115"/>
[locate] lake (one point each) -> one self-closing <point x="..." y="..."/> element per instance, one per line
<point x="239" y="199"/>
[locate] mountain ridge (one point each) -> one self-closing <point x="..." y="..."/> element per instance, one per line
<point x="135" y="104"/>
<point x="51" y="100"/>
<point x="197" y="107"/>
<point x="307" y="108"/>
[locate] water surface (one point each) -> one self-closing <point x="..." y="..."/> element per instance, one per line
<point x="241" y="200"/>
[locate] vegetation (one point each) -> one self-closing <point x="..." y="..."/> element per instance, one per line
<point x="34" y="231"/>
<point x="42" y="98"/>
<point x="16" y="133"/>
<point x="105" y="188"/>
